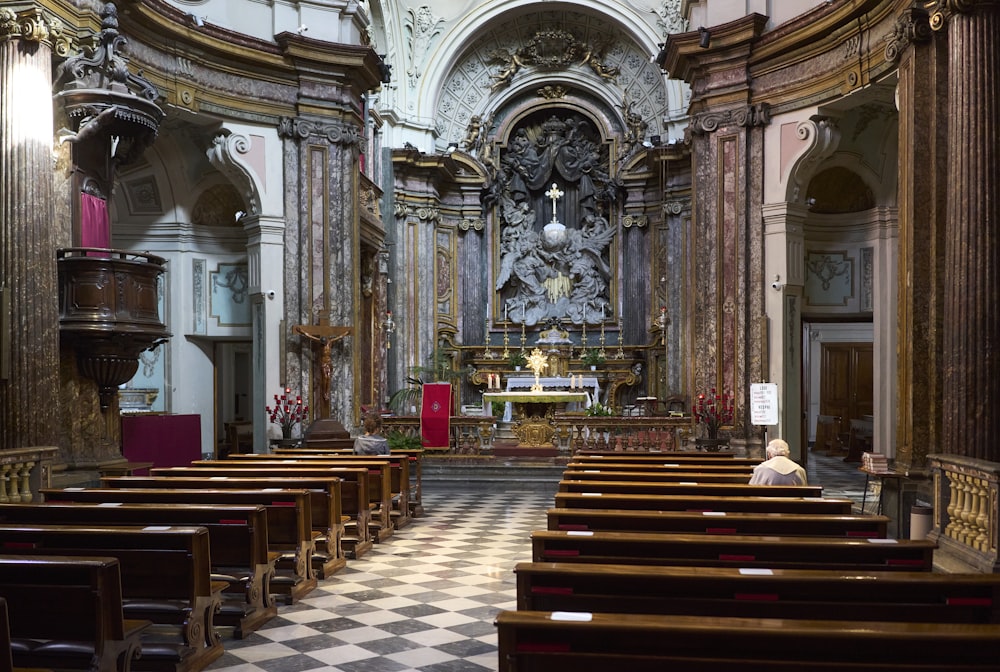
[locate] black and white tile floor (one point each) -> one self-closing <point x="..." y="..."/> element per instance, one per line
<point x="426" y="599"/>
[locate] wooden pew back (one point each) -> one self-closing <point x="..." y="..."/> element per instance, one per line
<point x="691" y="488"/>
<point x="90" y="627"/>
<point x="589" y="500"/>
<point x="771" y="552"/>
<point x="532" y="641"/>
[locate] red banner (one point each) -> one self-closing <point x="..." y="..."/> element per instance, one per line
<point x="435" y="415"/>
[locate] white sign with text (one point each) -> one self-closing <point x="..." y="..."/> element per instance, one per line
<point x="763" y="403"/>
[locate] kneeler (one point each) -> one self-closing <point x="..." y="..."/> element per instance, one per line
<point x="435" y="415"/>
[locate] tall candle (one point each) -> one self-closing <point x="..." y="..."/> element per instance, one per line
<point x="504" y="312"/>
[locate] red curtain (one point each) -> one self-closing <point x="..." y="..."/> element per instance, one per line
<point x="435" y="415"/>
<point x="95" y="230"/>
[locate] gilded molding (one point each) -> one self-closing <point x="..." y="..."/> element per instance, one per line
<point x="746" y="117"/>
<point x="34" y="25"/>
<point x="675" y="207"/>
<point x="334" y="132"/>
<point x="911" y="28"/>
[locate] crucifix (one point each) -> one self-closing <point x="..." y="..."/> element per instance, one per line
<point x="554" y="194"/>
<point x="324" y="335"/>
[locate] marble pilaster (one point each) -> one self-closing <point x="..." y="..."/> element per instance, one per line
<point x="971" y="338"/>
<point x="321" y="252"/>
<point x="29" y="324"/>
<point x="922" y="200"/>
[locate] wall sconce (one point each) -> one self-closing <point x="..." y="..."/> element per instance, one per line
<point x="390" y="327"/>
<point x="705" y="39"/>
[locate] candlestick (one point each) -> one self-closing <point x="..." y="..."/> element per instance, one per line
<point x="487" y="353"/>
<point x="506" y="341"/>
<point x="604" y="353"/>
<point x="621" y="336"/>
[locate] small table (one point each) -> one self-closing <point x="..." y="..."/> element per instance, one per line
<point x="533" y="425"/>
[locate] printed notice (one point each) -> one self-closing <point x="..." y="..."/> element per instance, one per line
<point x="764" y="403"/>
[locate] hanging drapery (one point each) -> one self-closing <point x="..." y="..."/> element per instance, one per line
<point x="95" y="230"/>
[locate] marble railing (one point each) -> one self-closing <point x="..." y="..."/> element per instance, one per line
<point x="965" y="510"/>
<point x="23" y="472"/>
<point x="473" y="435"/>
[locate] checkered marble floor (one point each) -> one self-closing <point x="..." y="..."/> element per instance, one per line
<point x="423" y="600"/>
<point x="426" y="598"/>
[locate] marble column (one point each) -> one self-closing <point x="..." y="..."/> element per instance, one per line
<point x="971" y="339"/>
<point x="29" y="321"/>
<point x="923" y="150"/>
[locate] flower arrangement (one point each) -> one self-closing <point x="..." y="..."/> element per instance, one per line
<point x="517" y="358"/>
<point x="597" y="409"/>
<point x="714" y="410"/>
<point x="287" y="412"/>
<point x="592" y="357"/>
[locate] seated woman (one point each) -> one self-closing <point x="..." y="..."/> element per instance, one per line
<point x="371" y="442"/>
<point x="778" y="469"/>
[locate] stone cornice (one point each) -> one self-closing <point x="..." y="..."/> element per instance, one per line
<point x="334" y="132"/>
<point x="747" y="116"/>
<point x="684" y="58"/>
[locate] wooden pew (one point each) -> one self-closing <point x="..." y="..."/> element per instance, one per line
<point x="358" y="532"/>
<point x="289" y="521"/>
<point x="415" y="455"/>
<point x="779" y="593"/>
<point x="654" y="476"/>
<point x="541" y="641"/>
<point x="181" y="602"/>
<point x="691" y="488"/>
<point x="379" y="473"/>
<point x="399" y="473"/>
<point x="332" y="498"/>
<point x="66" y="613"/>
<point x="590" y="500"/>
<point x="707" y="550"/>
<point x="719" y="522"/>
<point x="666" y="465"/>
<point x="683" y="458"/>
<point x="237" y="537"/>
<point x="6" y="661"/>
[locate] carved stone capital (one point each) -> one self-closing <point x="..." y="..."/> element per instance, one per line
<point x="226" y="154"/>
<point x="746" y="117"/>
<point x="911" y="28"/>
<point x="639" y="221"/>
<point x="475" y="224"/>
<point x="334" y="132"/>
<point x="943" y="10"/>
<point x="423" y="213"/>
<point x="34" y="25"/>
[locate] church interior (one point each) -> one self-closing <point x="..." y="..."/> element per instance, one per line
<point x="516" y="233"/>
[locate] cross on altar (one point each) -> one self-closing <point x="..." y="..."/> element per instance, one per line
<point x="554" y="194"/>
<point x="326" y="336"/>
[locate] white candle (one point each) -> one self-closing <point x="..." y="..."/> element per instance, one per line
<point x="505" y="312"/>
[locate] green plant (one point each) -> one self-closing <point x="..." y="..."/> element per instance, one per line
<point x="517" y="358"/>
<point x="592" y="357"/>
<point x="399" y="440"/>
<point x="598" y="409"/>
<point x="437" y="369"/>
<point x="497" y="408"/>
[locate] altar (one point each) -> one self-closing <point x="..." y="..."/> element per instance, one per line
<point x="533" y="412"/>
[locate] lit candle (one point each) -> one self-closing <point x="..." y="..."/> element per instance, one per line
<point x="505" y="312"/>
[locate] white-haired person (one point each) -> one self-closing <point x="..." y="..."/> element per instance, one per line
<point x="778" y="469"/>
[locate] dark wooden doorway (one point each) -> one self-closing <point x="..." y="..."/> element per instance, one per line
<point x="846" y="388"/>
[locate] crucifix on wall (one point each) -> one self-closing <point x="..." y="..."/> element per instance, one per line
<point x="324" y="336"/>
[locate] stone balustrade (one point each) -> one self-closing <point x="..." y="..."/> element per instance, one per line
<point x="965" y="510"/>
<point x="23" y="472"/>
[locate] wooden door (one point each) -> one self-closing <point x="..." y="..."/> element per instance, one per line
<point x="846" y="382"/>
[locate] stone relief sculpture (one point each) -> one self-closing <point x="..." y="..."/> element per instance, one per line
<point x="556" y="270"/>
<point x="422" y="26"/>
<point x="550" y="50"/>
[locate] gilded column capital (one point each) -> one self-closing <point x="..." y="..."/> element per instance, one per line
<point x="942" y="10"/>
<point x="747" y="117"/>
<point x="912" y="27"/>
<point x="34" y="25"/>
<point x="334" y="132"/>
